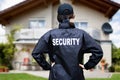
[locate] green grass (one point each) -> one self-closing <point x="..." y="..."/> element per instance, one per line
<point x="23" y="76"/>
<point x="19" y="76"/>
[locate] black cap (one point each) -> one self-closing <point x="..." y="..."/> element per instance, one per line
<point x="65" y="9"/>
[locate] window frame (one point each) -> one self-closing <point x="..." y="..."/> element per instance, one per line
<point x="79" y="24"/>
<point x="37" y="20"/>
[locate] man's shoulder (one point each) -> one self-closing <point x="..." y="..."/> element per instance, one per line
<point x="80" y="30"/>
<point x="55" y="30"/>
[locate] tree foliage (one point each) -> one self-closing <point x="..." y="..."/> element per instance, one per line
<point x="116" y="55"/>
<point x="7" y="50"/>
<point x="6" y="54"/>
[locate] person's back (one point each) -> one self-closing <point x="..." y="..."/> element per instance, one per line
<point x="66" y="47"/>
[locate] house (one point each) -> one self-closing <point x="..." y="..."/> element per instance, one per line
<point x="35" y="17"/>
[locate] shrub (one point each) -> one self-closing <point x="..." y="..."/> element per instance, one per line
<point x="4" y="67"/>
<point x="111" y="69"/>
<point x="117" y="68"/>
<point x="6" y="54"/>
<point x="7" y="50"/>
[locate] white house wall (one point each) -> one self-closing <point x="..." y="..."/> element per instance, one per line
<point x="107" y="50"/>
<point x="22" y="20"/>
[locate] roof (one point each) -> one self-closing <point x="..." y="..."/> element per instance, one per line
<point x="107" y="7"/>
<point x="9" y="13"/>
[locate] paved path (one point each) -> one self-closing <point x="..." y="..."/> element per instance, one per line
<point x="97" y="74"/>
<point x="88" y="74"/>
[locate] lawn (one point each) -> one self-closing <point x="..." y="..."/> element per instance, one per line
<point x="19" y="76"/>
<point x="23" y="76"/>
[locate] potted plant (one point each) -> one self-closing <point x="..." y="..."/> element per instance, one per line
<point x="4" y="69"/>
<point x="1" y="68"/>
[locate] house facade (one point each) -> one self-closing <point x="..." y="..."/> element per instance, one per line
<point x="36" y="17"/>
<point x="2" y="35"/>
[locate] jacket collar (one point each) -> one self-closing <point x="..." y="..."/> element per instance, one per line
<point x="66" y="25"/>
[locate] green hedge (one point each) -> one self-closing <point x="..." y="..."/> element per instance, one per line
<point x="117" y="68"/>
<point x="114" y="68"/>
<point x="4" y="67"/>
<point x="111" y="69"/>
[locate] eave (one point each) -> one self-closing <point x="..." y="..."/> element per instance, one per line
<point x="7" y="14"/>
<point x="107" y="7"/>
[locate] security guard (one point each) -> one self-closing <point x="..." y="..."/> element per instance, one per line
<point x="66" y="46"/>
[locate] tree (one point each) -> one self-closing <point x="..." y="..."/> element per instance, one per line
<point x="116" y="55"/>
<point x="7" y="50"/>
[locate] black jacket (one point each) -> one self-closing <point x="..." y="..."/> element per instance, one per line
<point x="66" y="47"/>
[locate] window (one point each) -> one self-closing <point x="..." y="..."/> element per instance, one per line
<point x="81" y="24"/>
<point x="37" y="23"/>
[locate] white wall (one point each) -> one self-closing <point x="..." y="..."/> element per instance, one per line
<point x="107" y="50"/>
<point x="3" y="37"/>
<point x="22" y="20"/>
